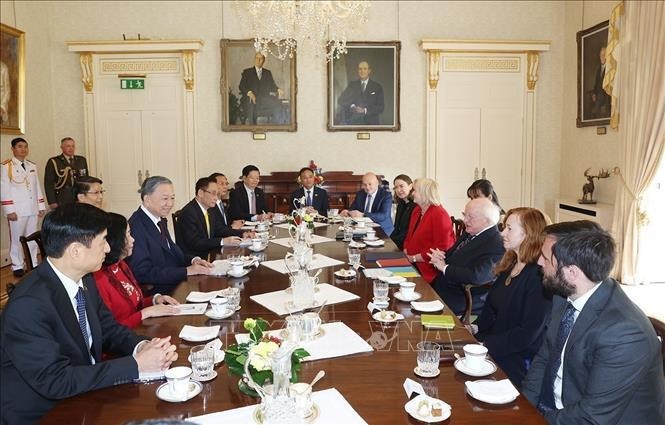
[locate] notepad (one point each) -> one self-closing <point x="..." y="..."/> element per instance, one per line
<point x="394" y="262"/>
<point x="438" y="321"/>
<point x="403" y="271"/>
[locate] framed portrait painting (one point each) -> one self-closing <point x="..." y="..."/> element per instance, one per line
<point x="12" y="80"/>
<point x="593" y="103"/>
<point x="363" y="87"/>
<point x="258" y="92"/>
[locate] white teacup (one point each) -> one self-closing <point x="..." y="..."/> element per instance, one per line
<point x="407" y="289"/>
<point x="371" y="234"/>
<point x="262" y="227"/>
<point x="310" y="324"/>
<point x="474" y="356"/>
<point x="257" y="243"/>
<point x="178" y="379"/>
<point x="219" y="305"/>
<point x="360" y="224"/>
<point x="237" y="266"/>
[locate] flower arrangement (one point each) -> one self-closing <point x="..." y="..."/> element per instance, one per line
<point x="301" y="215"/>
<point x="318" y="173"/>
<point x="263" y="345"/>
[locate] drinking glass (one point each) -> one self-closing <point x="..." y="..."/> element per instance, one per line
<point x="202" y="359"/>
<point x="293" y="327"/>
<point x="354" y="256"/>
<point x="233" y="297"/>
<point x="429" y="354"/>
<point x="348" y="233"/>
<point x="380" y="290"/>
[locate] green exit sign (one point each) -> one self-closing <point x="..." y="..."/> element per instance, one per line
<point x="132" y="84"/>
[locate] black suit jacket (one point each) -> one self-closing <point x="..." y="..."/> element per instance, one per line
<point x="250" y="81"/>
<point x="44" y="357"/>
<point x="371" y="98"/>
<point x="319" y="199"/>
<point x="154" y="261"/>
<point x="222" y="223"/>
<point x="612" y="364"/>
<point x="474" y="264"/>
<point x="402" y="219"/>
<point x="192" y="235"/>
<point x="239" y="203"/>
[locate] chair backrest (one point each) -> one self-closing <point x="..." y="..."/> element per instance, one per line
<point x="659" y="327"/>
<point x="35" y="237"/>
<point x="176" y="228"/>
<point x="458" y="226"/>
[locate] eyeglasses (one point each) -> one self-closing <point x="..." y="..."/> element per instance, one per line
<point x="96" y="192"/>
<point x="210" y="193"/>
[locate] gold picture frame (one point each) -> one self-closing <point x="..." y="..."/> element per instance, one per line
<point x="593" y="103"/>
<point x="12" y="80"/>
<point x="275" y="108"/>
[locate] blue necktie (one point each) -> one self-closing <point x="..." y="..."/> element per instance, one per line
<point x="308" y="201"/>
<point x="80" y="309"/>
<point x="546" y="402"/>
<point x="368" y="204"/>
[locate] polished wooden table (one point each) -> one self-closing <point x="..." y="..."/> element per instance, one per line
<point x="371" y="382"/>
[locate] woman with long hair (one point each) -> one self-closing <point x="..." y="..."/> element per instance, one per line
<point x="403" y="197"/>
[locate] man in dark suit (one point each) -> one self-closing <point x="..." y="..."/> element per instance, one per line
<point x="197" y="230"/>
<point x="471" y="259"/>
<point x="156" y="258"/>
<point x="259" y="93"/>
<point x="316" y="199"/>
<point x="247" y="201"/>
<point x="220" y="211"/>
<point x="601" y="101"/>
<point x="55" y="326"/>
<point x="373" y="202"/>
<point x="361" y="102"/>
<point x="601" y="360"/>
<point x="61" y="173"/>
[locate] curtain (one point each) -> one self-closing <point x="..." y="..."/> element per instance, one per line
<point x="641" y="88"/>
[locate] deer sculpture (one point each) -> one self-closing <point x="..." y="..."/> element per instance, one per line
<point x="589" y="187"/>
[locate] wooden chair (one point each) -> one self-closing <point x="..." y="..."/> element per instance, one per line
<point x="37" y="238"/>
<point x="468" y="309"/>
<point x="659" y="327"/>
<point x="458" y="226"/>
<point x="176" y="229"/>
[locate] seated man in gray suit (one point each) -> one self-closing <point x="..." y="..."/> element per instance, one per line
<point x="600" y="361"/>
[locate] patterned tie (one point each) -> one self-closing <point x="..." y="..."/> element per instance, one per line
<point x="546" y="402"/>
<point x="368" y="204"/>
<point x="308" y="201"/>
<point x="80" y="309"/>
<point x="463" y="242"/>
<point x="252" y="203"/>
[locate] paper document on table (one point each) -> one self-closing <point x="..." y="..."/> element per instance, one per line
<point x="376" y="273"/>
<point x="314" y="239"/>
<point x="278" y="301"/>
<point x="202" y="297"/>
<point x="334" y="409"/>
<point x="190" y="309"/>
<point x="318" y="261"/>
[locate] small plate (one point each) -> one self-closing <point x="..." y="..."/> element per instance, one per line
<point x="385" y="316"/>
<point x="356" y="244"/>
<point x="244" y="273"/>
<point x="372" y="239"/>
<point x="414" y="297"/>
<point x="290" y="306"/>
<point x="487" y="369"/>
<point x="427" y="306"/>
<point x="211" y="314"/>
<point x="346" y="274"/>
<point x="259" y="419"/>
<point x="261" y="248"/>
<point x="377" y="242"/>
<point x="424" y="374"/>
<point x="393" y="280"/>
<point x="380" y="304"/>
<point x="212" y="376"/>
<point x="164" y="393"/>
<point x="250" y="223"/>
<point x="289" y="290"/>
<point x="507" y="400"/>
<point x="412" y="409"/>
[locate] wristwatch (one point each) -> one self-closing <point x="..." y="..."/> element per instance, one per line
<point x="413" y="258"/>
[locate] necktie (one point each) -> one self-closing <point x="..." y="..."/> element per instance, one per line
<point x="252" y="203"/>
<point x="205" y="215"/>
<point x="164" y="230"/>
<point x="259" y="72"/>
<point x="364" y="84"/>
<point x="80" y="309"/>
<point x="221" y="208"/>
<point x="468" y="238"/>
<point x="23" y="165"/>
<point x="368" y="204"/>
<point x="546" y="402"/>
<point x="308" y="201"/>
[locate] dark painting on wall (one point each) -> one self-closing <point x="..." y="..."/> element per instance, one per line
<point x="593" y="103"/>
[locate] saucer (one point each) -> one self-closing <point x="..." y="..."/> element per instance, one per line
<point x="212" y="376"/>
<point x="372" y="239"/>
<point x="424" y="374"/>
<point x="164" y="393"/>
<point x="377" y="242"/>
<point x="393" y="280"/>
<point x="412" y="409"/>
<point x="355" y="244"/>
<point x="487" y="369"/>
<point x="385" y="316"/>
<point x="244" y="273"/>
<point x="399" y="296"/>
<point x="290" y="306"/>
<point x="311" y="418"/>
<point x="259" y="249"/>
<point x="211" y="314"/>
<point x="345" y="274"/>
<point x="509" y="399"/>
<point x="289" y="290"/>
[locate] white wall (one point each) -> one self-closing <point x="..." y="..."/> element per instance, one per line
<point x="54" y="94"/>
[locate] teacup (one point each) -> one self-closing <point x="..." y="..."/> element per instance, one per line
<point x="371" y="234"/>
<point x="237" y="266"/>
<point x="310" y="324"/>
<point x="219" y="305"/>
<point x="178" y="379"/>
<point x="262" y="227"/>
<point x="333" y="212"/>
<point x="360" y="224"/>
<point x="407" y="289"/>
<point x="257" y="243"/>
<point x="474" y="356"/>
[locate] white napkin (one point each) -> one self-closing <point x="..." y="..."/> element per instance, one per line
<point x="376" y="273"/>
<point x="277" y="301"/>
<point x="314" y="239"/>
<point x="199" y="333"/>
<point x="220" y="267"/>
<point x="492" y="391"/>
<point x="191" y="309"/>
<point x="202" y="297"/>
<point x="427" y="306"/>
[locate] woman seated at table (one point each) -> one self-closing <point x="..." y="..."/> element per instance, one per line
<point x="403" y="197"/>
<point x="483" y="189"/>
<point x="512" y="323"/>
<point x="430" y="227"/>
<point x="118" y="286"/>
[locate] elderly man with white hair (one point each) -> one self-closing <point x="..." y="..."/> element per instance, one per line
<point x="471" y="259"/>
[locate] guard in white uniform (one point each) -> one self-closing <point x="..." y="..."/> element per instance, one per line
<point x="22" y="201"/>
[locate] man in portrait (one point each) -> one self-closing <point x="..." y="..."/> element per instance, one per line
<point x="600" y="100"/>
<point x="361" y="103"/>
<point x="5" y="93"/>
<point x="260" y="96"/>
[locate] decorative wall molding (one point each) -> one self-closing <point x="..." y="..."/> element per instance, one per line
<point x="153" y="66"/>
<point x="481" y="64"/>
<point x="86" y="70"/>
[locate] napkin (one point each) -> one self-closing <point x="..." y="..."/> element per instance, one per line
<point x="191" y="309"/>
<point x="376" y="273"/>
<point x="492" y="391"/>
<point x="435" y="305"/>
<point x="199" y="333"/>
<point x="202" y="297"/>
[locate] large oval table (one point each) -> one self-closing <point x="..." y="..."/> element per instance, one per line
<point x="370" y="382"/>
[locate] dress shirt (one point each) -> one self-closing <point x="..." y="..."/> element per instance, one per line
<point x="154" y="219"/>
<point x="251" y="193"/>
<point x="578" y="304"/>
<point x="371" y="201"/>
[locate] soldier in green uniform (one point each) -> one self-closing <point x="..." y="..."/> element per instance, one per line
<point x="61" y="173"/>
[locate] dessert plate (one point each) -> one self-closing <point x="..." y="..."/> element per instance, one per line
<point x="422" y="404"/>
<point x="487" y="369"/>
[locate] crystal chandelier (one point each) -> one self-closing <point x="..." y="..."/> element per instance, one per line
<point x="281" y="26"/>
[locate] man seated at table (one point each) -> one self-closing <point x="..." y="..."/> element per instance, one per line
<point x="197" y="230"/>
<point x="220" y="210"/>
<point x="157" y="260"/>
<point x="373" y="202"/>
<point x="471" y="260"/>
<point x="316" y="198"/>
<point x="55" y="325"/>
<point x="247" y="201"/>
<point x="601" y="360"/>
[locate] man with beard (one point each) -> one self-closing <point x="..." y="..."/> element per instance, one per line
<point x="600" y="361"/>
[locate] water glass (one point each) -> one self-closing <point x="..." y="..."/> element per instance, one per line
<point x="354" y="256"/>
<point x="233" y="297"/>
<point x="429" y="354"/>
<point x="202" y="359"/>
<point x="348" y="233"/>
<point x="380" y="290"/>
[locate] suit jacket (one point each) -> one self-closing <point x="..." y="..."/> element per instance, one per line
<point x="239" y="203"/>
<point x="371" y="98"/>
<point x="473" y="263"/>
<point x="250" y="81"/>
<point x="153" y="261"/>
<point x="222" y="224"/>
<point x="192" y="235"/>
<point x="56" y="174"/>
<point x="612" y="367"/>
<point x="513" y="330"/>
<point x="319" y="199"/>
<point x="44" y="357"/>
<point x="381" y="208"/>
<point x="402" y="220"/>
